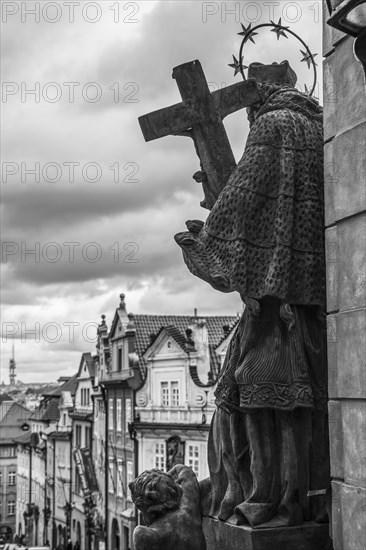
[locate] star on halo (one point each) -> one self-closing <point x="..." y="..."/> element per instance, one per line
<point x="236" y="65"/>
<point x="279" y="29"/>
<point x="308" y="57"/>
<point x="247" y="31"/>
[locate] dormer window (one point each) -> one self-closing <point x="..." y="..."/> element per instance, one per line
<point x="169" y="392"/>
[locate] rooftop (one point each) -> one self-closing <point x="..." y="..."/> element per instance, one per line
<point x="149" y="325"/>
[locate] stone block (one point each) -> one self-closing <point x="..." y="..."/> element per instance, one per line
<point x="344" y="90"/>
<point x="336" y="531"/>
<point x="352" y="262"/>
<point x="332" y="354"/>
<point x="345" y="174"/>
<point x="329" y="98"/>
<point x="332" y="267"/>
<point x="350" y="86"/>
<point x="352" y="501"/>
<point x="354" y="438"/>
<point x="336" y="439"/>
<point x="222" y="535"/>
<point x="346" y="354"/>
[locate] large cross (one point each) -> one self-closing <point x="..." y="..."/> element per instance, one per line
<point x="200" y="116"/>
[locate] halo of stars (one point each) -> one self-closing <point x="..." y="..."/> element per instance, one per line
<point x="281" y="31"/>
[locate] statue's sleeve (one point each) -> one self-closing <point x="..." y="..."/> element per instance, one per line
<point x="264" y="235"/>
<point x="200" y="262"/>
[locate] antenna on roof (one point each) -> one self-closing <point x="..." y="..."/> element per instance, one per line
<point x="195" y="312"/>
<point x="12" y="365"/>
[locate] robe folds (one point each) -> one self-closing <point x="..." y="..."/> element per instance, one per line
<point x="264" y="238"/>
<point x="264" y="235"/>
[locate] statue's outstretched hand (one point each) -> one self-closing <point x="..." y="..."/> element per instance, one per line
<point x="194" y="226"/>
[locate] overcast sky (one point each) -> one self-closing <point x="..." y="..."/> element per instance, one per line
<point x="102" y="206"/>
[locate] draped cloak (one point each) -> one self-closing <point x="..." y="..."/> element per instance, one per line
<point x="264" y="239"/>
<point x="268" y="443"/>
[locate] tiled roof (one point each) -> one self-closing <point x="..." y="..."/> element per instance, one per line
<point x="11" y="424"/>
<point x="70" y="386"/>
<point x="52" y="411"/>
<point x="49" y="411"/>
<point x="88" y="359"/>
<point x="175" y="333"/>
<point x="24" y="438"/>
<point x="152" y="324"/>
<point x="91" y="365"/>
<point x="5" y="397"/>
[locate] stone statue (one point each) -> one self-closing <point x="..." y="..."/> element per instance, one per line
<point x="268" y="442"/>
<point x="170" y="507"/>
<point x="175" y="451"/>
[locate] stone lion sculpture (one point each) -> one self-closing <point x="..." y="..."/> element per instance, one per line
<point x="171" y="510"/>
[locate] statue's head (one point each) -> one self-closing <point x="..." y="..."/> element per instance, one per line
<point x="155" y="493"/>
<point x="276" y="73"/>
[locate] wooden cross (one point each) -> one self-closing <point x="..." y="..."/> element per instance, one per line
<point x="200" y="116"/>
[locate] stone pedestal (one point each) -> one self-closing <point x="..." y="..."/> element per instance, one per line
<point x="221" y="535"/>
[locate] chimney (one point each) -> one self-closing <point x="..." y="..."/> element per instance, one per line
<point x="189" y="339"/>
<point x="122" y="304"/>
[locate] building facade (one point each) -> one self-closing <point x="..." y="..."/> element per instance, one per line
<point x="14" y="423"/>
<point x="32" y="512"/>
<point x="99" y="435"/>
<point x="82" y="415"/>
<point x="119" y="380"/>
<point x="175" y="404"/>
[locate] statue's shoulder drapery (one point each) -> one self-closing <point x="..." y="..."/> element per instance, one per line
<point x="264" y="236"/>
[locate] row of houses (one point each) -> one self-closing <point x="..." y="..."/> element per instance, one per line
<point x="144" y="399"/>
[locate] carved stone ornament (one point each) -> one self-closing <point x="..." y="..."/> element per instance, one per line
<point x="170" y="507"/>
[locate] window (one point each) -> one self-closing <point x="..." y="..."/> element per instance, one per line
<point x="11" y="477"/>
<point x="175" y="394"/>
<point x="64" y="419"/>
<point x="160" y="455"/>
<point x="170" y="394"/>
<point x="61" y="456"/>
<point x="111" y="475"/>
<point x="119" y="365"/>
<point x="1" y="478"/>
<point x="12" y="451"/>
<point x="78" y="436"/>
<point x="130" y="475"/>
<point x="78" y="489"/>
<point x="128" y="413"/>
<point x="87" y="403"/>
<point x="119" y="477"/>
<point x="87" y="436"/>
<point x="165" y="394"/>
<point x="11" y="508"/>
<point x="193" y="458"/>
<point x="119" y="415"/>
<point x="110" y="414"/>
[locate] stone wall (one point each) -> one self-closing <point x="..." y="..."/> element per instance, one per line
<point x="345" y="220"/>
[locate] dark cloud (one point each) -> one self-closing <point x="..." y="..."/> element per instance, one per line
<point x="147" y="213"/>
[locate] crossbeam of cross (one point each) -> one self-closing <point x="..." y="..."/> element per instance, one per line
<point x="200" y="117"/>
